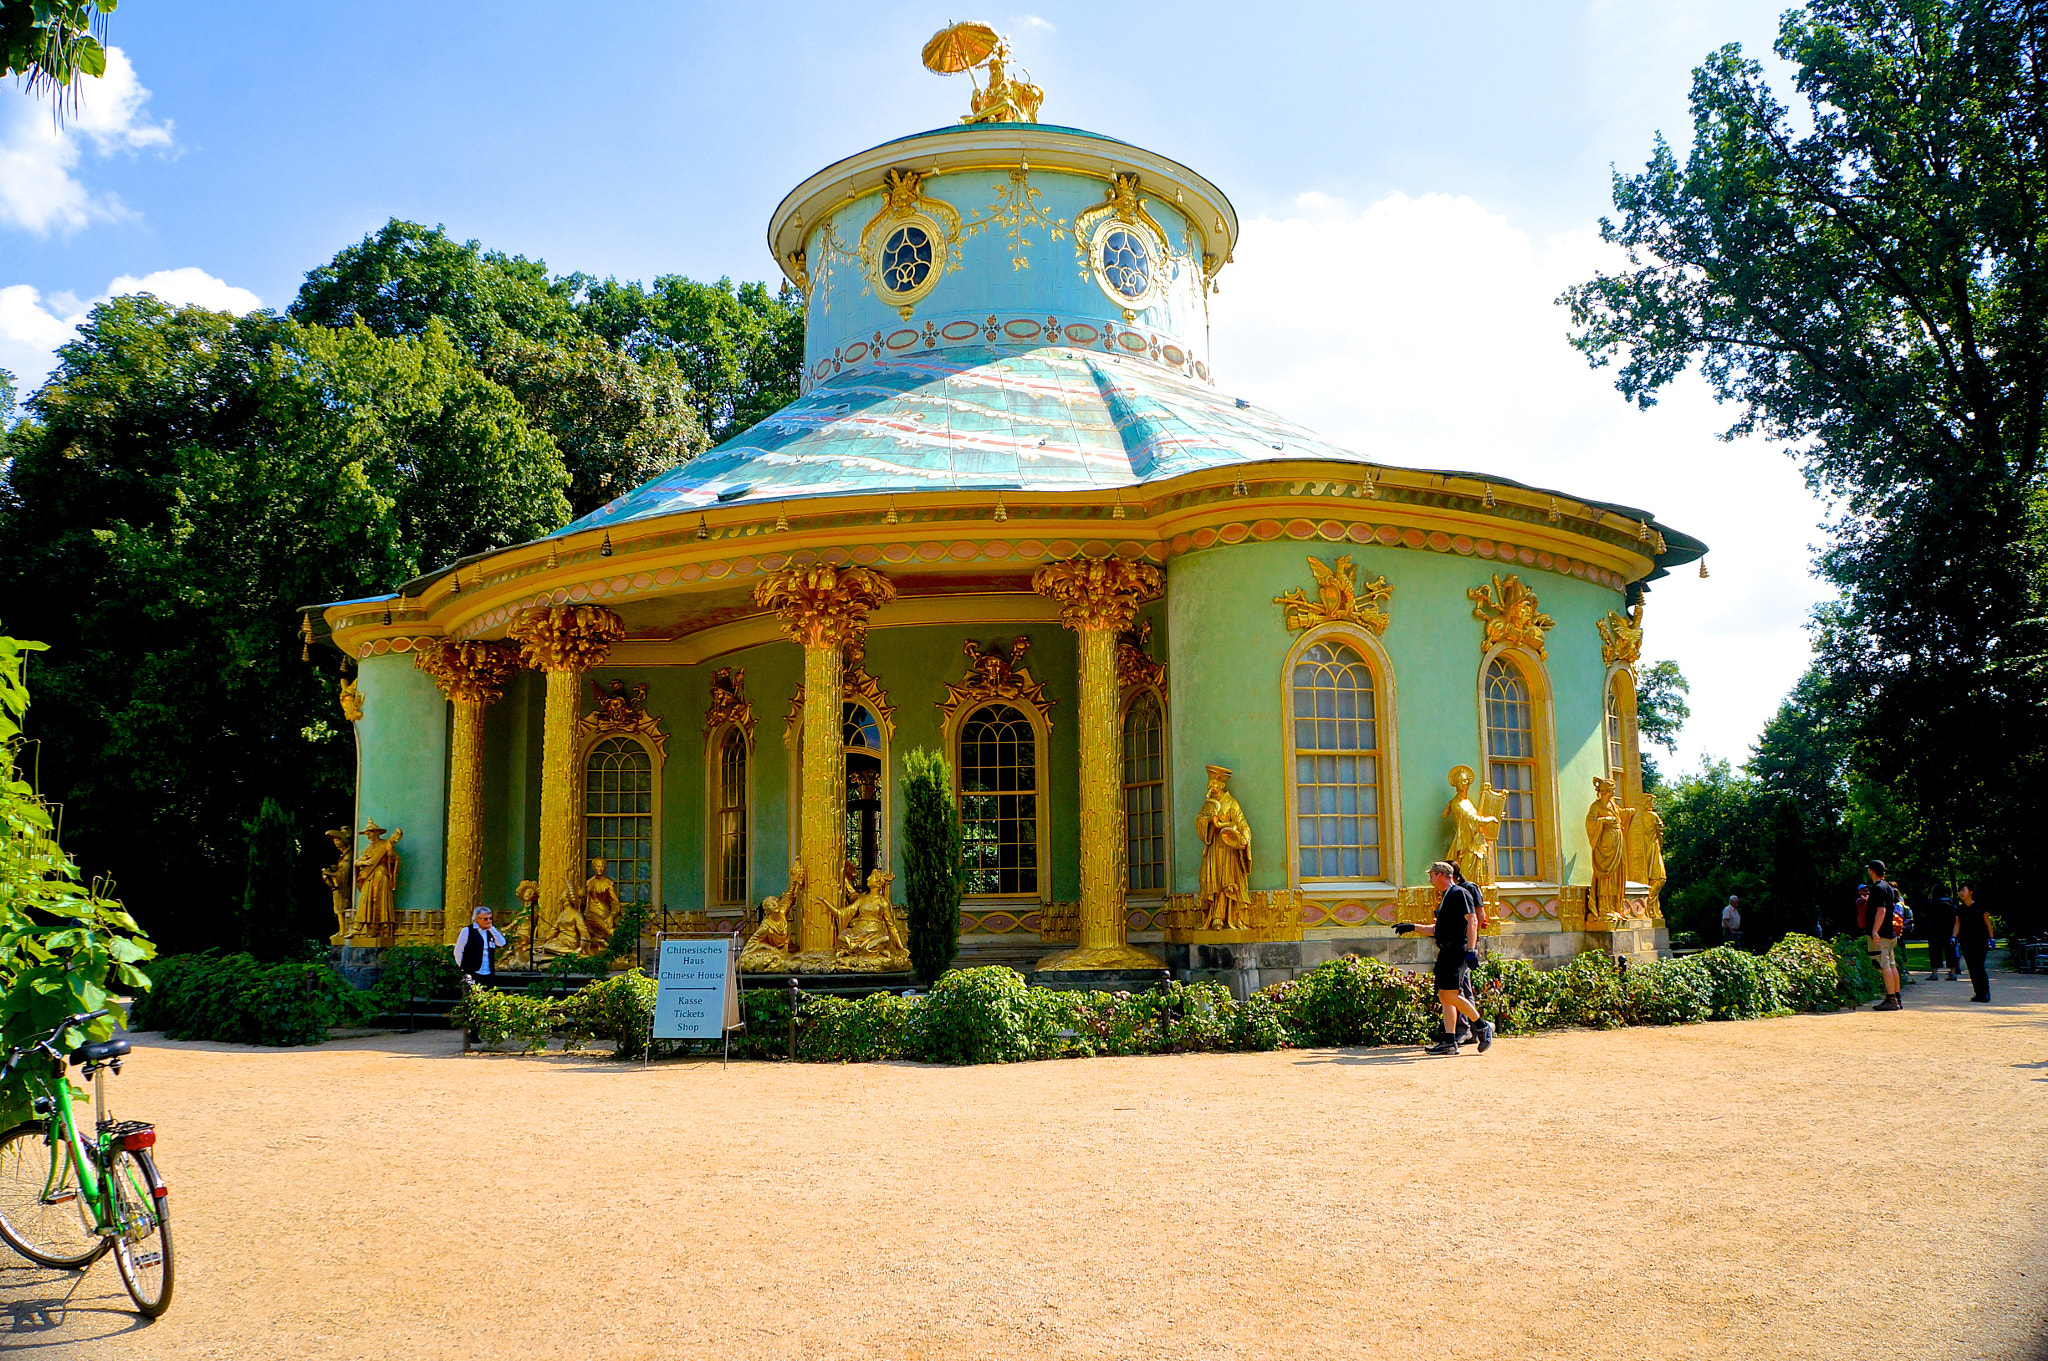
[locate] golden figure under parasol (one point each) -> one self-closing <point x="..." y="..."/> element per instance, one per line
<point x="964" y="46"/>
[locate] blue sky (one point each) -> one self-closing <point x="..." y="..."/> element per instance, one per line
<point x="1416" y="182"/>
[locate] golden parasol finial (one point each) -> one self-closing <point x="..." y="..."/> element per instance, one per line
<point x="964" y="46"/>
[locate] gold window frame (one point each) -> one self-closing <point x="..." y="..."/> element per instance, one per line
<point x="1386" y="716"/>
<point x="1542" y="729"/>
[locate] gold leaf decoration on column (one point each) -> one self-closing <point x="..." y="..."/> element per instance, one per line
<point x="566" y="637"/>
<point x="1621" y="638"/>
<point x="623" y="709"/>
<point x="1098" y="593"/>
<point x="1508" y="609"/>
<point x="469" y="673"/>
<point x="1340" y="599"/>
<point x="996" y="675"/>
<point x="822" y="604"/>
<point x="1135" y="668"/>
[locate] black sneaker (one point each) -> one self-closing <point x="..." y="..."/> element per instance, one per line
<point x="1485" y="1036"/>
<point x="1448" y="1045"/>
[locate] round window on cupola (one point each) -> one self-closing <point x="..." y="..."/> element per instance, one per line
<point x="910" y="256"/>
<point x="1126" y="261"/>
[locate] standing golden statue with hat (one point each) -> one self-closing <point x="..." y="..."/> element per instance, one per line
<point x="1225" y="896"/>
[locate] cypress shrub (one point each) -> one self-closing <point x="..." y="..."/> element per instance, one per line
<point x="931" y="863"/>
<point x="270" y="891"/>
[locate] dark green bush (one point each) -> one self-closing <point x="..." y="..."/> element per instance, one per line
<point x="977" y="1016"/>
<point x="839" y="1030"/>
<point x="237" y="1000"/>
<point x="498" y="1017"/>
<point x="1809" y="974"/>
<point x="619" y="1008"/>
<point x="1358" y="1001"/>
<point x="932" y="867"/>
<point x="1668" y="992"/>
<point x="1858" y="979"/>
<point x="1744" y="986"/>
<point x="1588" y="991"/>
<point x="1515" y="994"/>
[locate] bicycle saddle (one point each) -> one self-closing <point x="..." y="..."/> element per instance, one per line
<point x="99" y="1053"/>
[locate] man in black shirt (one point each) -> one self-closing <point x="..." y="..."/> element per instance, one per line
<point x="1456" y="930"/>
<point x="1885" y="930"/>
<point x="1973" y="935"/>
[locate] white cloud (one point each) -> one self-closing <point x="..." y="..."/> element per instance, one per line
<point x="1033" y="21"/>
<point x="1423" y="332"/>
<point x="39" y="191"/>
<point x="32" y="326"/>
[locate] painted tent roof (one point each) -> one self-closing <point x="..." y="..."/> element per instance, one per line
<point x="964" y="419"/>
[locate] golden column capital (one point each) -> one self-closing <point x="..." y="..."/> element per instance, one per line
<point x="1098" y="593"/>
<point x="469" y="673"/>
<point x="822" y="605"/>
<point x="571" y="638"/>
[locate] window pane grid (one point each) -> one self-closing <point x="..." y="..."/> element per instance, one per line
<point x="1615" y="764"/>
<point x="730" y="820"/>
<point x="1336" y="765"/>
<point x="999" y="801"/>
<point x="618" y="816"/>
<point x="1145" y="796"/>
<point x="1511" y="766"/>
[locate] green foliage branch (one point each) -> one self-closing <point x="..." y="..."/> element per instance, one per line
<point x="932" y="866"/>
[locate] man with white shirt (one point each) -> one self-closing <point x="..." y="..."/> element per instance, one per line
<point x="1731" y="921"/>
<point x="474" y="944"/>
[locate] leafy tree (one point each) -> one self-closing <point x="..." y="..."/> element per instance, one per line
<point x="740" y="349"/>
<point x="272" y="896"/>
<point x="50" y="43"/>
<point x="191" y="479"/>
<point x="932" y="866"/>
<point x="1660" y="713"/>
<point x="63" y="945"/>
<point x="1869" y="285"/>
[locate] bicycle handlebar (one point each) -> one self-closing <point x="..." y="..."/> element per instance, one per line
<point x="43" y="1041"/>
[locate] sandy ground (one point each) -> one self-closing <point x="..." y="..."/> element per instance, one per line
<point x="1828" y="1186"/>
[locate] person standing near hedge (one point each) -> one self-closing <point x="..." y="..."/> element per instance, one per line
<point x="475" y="943"/>
<point x="1731" y="921"/>
<point x="1456" y="930"/>
<point x="1885" y="929"/>
<point x="1973" y="935"/>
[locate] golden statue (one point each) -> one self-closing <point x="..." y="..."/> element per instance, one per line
<point x="1607" y="823"/>
<point x="377" y="884"/>
<point x="520" y="929"/>
<point x="962" y="47"/>
<point x="1646" y="849"/>
<point x="601" y="906"/>
<point x="351" y="701"/>
<point x="1475" y="825"/>
<point x="1511" y="616"/>
<point x="340" y="878"/>
<point x="767" y="949"/>
<point x="1224" y="896"/>
<point x="869" y="938"/>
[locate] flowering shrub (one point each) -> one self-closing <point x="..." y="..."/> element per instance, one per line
<point x="507" y="1017"/>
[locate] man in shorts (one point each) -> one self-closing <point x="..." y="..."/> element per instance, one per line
<point x="1886" y="926"/>
<point x="1456" y="930"/>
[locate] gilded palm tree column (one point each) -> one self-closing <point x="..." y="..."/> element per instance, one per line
<point x="823" y="608"/>
<point x="1098" y="597"/>
<point x="561" y="641"/>
<point x="472" y="676"/>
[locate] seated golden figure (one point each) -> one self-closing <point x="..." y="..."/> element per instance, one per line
<point x="869" y="938"/>
<point x="767" y="948"/>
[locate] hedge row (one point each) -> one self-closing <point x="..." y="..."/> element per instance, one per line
<point x="988" y="1015"/>
<point x="237" y="999"/>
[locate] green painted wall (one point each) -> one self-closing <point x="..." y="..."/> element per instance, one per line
<point x="1228" y="648"/>
<point x="403" y="738"/>
<point x="511" y="816"/>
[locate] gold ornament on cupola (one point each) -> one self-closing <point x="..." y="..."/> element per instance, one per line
<point x="973" y="46"/>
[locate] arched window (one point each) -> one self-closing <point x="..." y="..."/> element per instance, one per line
<point x="618" y="816"/>
<point x="1511" y="766"/>
<point x="999" y="801"/>
<point x="1336" y="764"/>
<point x="729" y="818"/>
<point x="1145" y="795"/>
<point x="1617" y="759"/>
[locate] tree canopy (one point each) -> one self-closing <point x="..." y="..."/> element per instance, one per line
<point x="50" y="43"/>
<point x="1866" y="282"/>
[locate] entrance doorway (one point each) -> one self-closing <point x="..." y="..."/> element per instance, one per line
<point x="861" y="744"/>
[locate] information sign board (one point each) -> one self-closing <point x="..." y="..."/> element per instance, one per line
<point x="696" y="990"/>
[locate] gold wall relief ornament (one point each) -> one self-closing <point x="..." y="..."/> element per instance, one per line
<point x="1122" y="247"/>
<point x="1018" y="205"/>
<point x="822" y="605"/>
<point x="1475" y="825"/>
<point x="1621" y="638"/>
<point x="908" y="245"/>
<point x="1508" y="610"/>
<point x="351" y="700"/>
<point x="566" y="638"/>
<point x="623" y="709"/>
<point x="1607" y="832"/>
<point x="1135" y="668"/>
<point x="966" y="46"/>
<point x="800" y="272"/>
<point x="729" y="702"/>
<point x="995" y="675"/>
<point x="1225" y="890"/>
<point x="469" y="673"/>
<point x="1339" y="600"/>
<point x="1098" y="593"/>
<point x="376" y="869"/>
<point x="856" y="683"/>
<point x="340" y="880"/>
<point x="1271" y="914"/>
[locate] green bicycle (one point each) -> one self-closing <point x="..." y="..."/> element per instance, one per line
<point x="66" y="1199"/>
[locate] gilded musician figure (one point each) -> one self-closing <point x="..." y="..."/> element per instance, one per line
<point x="1225" y="897"/>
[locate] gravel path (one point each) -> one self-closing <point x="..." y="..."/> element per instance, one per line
<point x="1823" y="1186"/>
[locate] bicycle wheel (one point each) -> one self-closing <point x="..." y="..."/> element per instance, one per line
<point x="143" y="1251"/>
<point x="43" y="1214"/>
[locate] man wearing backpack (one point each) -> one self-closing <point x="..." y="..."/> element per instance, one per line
<point x="1886" y="926"/>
